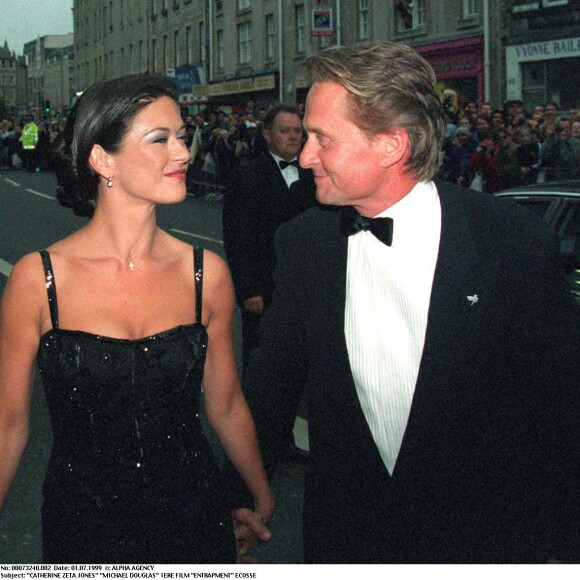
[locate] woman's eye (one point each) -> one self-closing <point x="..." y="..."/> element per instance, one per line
<point x="160" y="140"/>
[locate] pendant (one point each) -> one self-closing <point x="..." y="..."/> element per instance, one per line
<point x="131" y="266"/>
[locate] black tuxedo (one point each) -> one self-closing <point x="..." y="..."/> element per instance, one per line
<point x="488" y="468"/>
<point x="258" y="202"/>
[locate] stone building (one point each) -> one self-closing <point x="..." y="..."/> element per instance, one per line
<point x="13" y="85"/>
<point x="50" y="71"/>
<point x="543" y="52"/>
<point x="229" y="51"/>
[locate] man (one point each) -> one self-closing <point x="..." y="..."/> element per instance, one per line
<point x="266" y="192"/>
<point x="442" y="370"/>
<point x="29" y="141"/>
<point x="561" y="152"/>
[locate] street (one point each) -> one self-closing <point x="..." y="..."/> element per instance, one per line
<point x="32" y="219"/>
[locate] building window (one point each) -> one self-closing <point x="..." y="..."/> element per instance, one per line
<point x="243" y="4"/>
<point x="410" y="14"/>
<point x="300" y="29"/>
<point x="469" y="8"/>
<point x="153" y="55"/>
<point x="363" y="19"/>
<point x="202" y="42"/>
<point x="245" y="43"/>
<point x="220" y="49"/>
<point x="140" y="64"/>
<point x="219" y="6"/>
<point x="165" y="55"/>
<point x="176" y="48"/>
<point x="188" y="45"/>
<point x="269" y="36"/>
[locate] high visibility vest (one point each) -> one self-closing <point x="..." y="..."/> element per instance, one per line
<point x="29" y="136"/>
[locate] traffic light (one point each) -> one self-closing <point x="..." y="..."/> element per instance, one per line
<point x="47" y="106"/>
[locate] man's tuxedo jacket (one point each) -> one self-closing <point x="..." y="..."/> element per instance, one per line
<point x="488" y="468"/>
<point x="258" y="202"/>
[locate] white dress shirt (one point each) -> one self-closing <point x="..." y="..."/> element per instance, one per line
<point x="290" y="173"/>
<point x="388" y="289"/>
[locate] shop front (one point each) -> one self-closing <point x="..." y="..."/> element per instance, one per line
<point x="458" y="65"/>
<point x="541" y="72"/>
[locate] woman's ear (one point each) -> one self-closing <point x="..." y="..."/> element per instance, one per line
<point x="101" y="162"/>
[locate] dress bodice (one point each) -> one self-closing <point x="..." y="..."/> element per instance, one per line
<point x="125" y="413"/>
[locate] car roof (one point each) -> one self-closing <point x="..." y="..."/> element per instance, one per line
<point x="570" y="188"/>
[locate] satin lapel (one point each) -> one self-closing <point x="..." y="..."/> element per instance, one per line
<point x="462" y="284"/>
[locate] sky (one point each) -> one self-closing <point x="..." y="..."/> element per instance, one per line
<point x="24" y="20"/>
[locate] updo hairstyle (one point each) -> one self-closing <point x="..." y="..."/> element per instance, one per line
<point x="102" y="115"/>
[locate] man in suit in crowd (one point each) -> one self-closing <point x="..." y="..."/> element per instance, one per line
<point x="438" y="344"/>
<point x="266" y="192"/>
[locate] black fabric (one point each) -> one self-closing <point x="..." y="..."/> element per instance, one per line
<point x="131" y="477"/>
<point x="488" y="469"/>
<point x="284" y="164"/>
<point x="352" y="222"/>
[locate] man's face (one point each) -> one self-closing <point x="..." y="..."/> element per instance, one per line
<point x="487" y="110"/>
<point x="564" y="129"/>
<point x="551" y="111"/>
<point x="346" y="163"/>
<point x="482" y="124"/>
<point x="284" y="137"/>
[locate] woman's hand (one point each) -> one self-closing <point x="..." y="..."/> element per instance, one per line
<point x="250" y="529"/>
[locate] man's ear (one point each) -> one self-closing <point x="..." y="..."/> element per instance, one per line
<point x="394" y="145"/>
<point x="101" y="162"/>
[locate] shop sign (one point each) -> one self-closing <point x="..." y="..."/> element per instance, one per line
<point x="321" y="21"/>
<point x="548" y="50"/>
<point x="454" y="66"/>
<point x="249" y="85"/>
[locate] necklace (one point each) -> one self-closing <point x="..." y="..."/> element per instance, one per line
<point x="131" y="266"/>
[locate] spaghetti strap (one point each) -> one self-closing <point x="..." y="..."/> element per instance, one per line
<point x="198" y="274"/>
<point x="50" y="287"/>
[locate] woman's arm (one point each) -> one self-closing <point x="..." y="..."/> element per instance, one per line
<point x="20" y="317"/>
<point x="227" y="411"/>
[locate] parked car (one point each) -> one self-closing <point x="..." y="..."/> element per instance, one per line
<point x="558" y="204"/>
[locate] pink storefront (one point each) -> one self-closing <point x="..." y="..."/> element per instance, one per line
<point x="459" y="65"/>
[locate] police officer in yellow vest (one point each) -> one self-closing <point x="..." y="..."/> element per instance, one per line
<point x="29" y="141"/>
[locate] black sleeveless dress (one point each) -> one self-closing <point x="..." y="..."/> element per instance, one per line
<point x="131" y="477"/>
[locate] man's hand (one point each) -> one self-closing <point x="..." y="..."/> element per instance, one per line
<point x="255" y="305"/>
<point x="249" y="531"/>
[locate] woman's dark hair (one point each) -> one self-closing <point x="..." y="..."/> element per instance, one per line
<point x="101" y="116"/>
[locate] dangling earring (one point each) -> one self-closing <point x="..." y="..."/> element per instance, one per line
<point x="110" y="182"/>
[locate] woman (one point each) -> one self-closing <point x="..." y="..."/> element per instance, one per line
<point x="123" y="351"/>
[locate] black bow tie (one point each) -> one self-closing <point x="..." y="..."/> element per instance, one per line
<point x="284" y="164"/>
<point x="351" y="222"/>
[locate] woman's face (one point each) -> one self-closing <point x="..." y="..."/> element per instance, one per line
<point x="153" y="157"/>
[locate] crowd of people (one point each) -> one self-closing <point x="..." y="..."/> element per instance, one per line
<point x="25" y="144"/>
<point x="495" y="149"/>
<point x="488" y="149"/>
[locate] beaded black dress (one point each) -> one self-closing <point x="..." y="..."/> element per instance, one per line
<point x="131" y="477"/>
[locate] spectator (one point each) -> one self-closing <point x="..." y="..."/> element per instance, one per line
<point x="528" y="155"/>
<point x="456" y="166"/>
<point x="561" y="152"/>
<point x="506" y="161"/>
<point x="483" y="164"/>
